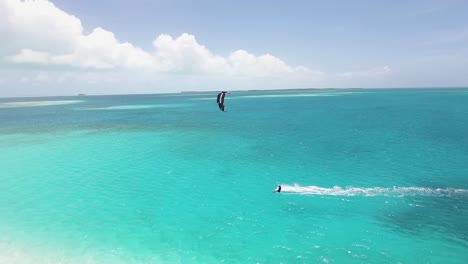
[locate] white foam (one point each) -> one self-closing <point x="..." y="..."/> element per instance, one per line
<point x="375" y="191"/>
<point x="37" y="103"/>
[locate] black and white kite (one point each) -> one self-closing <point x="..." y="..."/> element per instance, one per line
<point x="220" y="101"/>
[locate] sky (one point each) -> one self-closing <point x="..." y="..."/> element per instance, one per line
<point x="65" y="47"/>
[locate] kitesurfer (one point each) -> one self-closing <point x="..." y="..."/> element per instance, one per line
<point x="278" y="189"/>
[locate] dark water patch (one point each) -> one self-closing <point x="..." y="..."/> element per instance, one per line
<point x="445" y="217"/>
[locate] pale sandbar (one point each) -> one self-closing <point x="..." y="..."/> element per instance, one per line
<point x="37" y="103"/>
<point x="133" y="107"/>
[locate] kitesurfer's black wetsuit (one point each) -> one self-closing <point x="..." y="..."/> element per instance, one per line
<point x="220" y="100"/>
<point x="278" y="189"/>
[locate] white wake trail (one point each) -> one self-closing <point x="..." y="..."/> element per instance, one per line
<point x="374" y="191"/>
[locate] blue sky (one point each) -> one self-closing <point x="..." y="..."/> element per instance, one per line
<point x="285" y="44"/>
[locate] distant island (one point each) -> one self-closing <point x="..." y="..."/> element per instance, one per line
<point x="304" y="89"/>
<point x="326" y="89"/>
<point x="273" y="90"/>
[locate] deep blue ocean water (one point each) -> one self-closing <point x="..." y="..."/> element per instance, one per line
<point x="368" y="176"/>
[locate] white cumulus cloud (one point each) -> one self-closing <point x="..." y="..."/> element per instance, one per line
<point x="45" y="47"/>
<point x="39" y="33"/>
<point x="37" y="24"/>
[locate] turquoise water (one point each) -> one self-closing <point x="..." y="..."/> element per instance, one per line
<point x="368" y="176"/>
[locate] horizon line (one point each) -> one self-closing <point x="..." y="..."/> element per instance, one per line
<point x="248" y="90"/>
